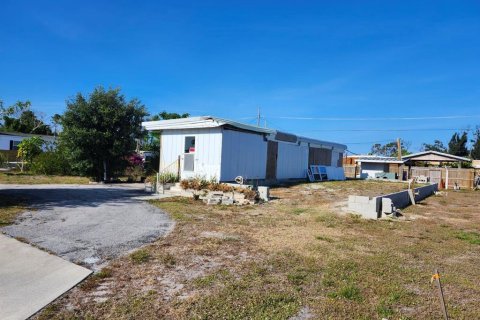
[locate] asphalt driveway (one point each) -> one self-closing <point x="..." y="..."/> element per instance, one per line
<point x="86" y="224"/>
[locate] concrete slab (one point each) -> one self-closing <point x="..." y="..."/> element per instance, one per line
<point x="31" y="278"/>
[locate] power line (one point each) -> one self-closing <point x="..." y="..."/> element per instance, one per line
<point x="380" y="118"/>
<point x="370" y="142"/>
<point x="387" y="130"/>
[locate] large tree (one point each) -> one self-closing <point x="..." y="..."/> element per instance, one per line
<point x="475" y="153"/>
<point x="436" y="146"/>
<point x="151" y="141"/>
<point x="21" y="118"/>
<point x="390" y="149"/>
<point x="164" y="115"/>
<point x="99" y="131"/>
<point x="458" y="145"/>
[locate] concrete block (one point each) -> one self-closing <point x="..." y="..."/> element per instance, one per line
<point x="213" y="201"/>
<point x="387" y="206"/>
<point x="264" y="193"/>
<point x="227" y="201"/>
<point x="216" y="195"/>
<point x="364" y="206"/>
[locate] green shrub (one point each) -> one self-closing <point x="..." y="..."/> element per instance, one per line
<point x="50" y="163"/>
<point x="167" y="177"/>
<point x="3" y="159"/>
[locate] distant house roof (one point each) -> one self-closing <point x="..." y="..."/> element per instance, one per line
<point x="21" y="134"/>
<point x="377" y="159"/>
<point x="434" y="156"/>
<point x="214" y="122"/>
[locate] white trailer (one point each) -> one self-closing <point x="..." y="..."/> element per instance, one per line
<point x="220" y="149"/>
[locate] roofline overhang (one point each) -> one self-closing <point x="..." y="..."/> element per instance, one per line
<point x="205" y="122"/>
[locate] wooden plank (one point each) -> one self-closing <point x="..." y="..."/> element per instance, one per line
<point x="272" y="154"/>
<point x="340" y="159"/>
<point x="319" y="156"/>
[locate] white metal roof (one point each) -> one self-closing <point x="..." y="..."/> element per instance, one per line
<point x="440" y="154"/>
<point x="378" y="159"/>
<point x="21" y="134"/>
<point x="213" y="122"/>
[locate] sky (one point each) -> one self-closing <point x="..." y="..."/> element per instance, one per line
<point x="355" y="72"/>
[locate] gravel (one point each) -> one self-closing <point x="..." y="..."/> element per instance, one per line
<point x="87" y="224"/>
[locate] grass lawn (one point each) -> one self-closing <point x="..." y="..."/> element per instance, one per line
<point x="25" y="178"/>
<point x="299" y="255"/>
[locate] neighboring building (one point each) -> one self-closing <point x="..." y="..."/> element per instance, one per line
<point x="476" y="164"/>
<point x="433" y="158"/>
<point x="375" y="167"/>
<point x="372" y="166"/>
<point x="11" y="140"/>
<point x="215" y="148"/>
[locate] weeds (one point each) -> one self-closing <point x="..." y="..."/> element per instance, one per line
<point x="298" y="211"/>
<point x="348" y="291"/>
<point x="168" y="260"/>
<point x="322" y="238"/>
<point x="140" y="256"/>
<point x="470" y="237"/>
<point x="104" y="273"/>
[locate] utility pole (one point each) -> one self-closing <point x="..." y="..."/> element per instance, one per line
<point x="399" y="156"/>
<point x="399" y="149"/>
<point x="258" y="117"/>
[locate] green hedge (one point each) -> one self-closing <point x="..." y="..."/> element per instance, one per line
<point x="51" y="163"/>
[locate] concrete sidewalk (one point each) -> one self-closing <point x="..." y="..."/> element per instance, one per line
<point x="31" y="278"/>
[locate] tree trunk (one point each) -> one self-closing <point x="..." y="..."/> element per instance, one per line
<point x="104" y="170"/>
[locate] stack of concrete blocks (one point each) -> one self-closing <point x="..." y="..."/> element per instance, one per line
<point x="366" y="206"/>
<point x="214" y="198"/>
<point x="378" y="207"/>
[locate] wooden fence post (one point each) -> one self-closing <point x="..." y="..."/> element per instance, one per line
<point x="178" y="166"/>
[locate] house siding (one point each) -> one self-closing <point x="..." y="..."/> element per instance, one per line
<point x="292" y="161"/>
<point x="207" y="156"/>
<point x="243" y="154"/>
<point x="5" y="140"/>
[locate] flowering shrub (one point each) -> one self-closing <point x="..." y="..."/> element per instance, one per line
<point x="135" y="168"/>
<point x="135" y="160"/>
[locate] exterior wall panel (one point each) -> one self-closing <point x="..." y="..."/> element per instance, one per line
<point x="292" y="161"/>
<point x="243" y="154"/>
<point x="207" y="156"/>
<point x="369" y="169"/>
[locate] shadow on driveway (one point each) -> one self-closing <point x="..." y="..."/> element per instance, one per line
<point x="86" y="224"/>
<point x="47" y="196"/>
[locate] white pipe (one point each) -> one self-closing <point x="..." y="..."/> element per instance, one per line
<point x="446" y="178"/>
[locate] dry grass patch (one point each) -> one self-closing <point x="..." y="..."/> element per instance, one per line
<point x="297" y="253"/>
<point x="10" y="208"/>
<point x="25" y="178"/>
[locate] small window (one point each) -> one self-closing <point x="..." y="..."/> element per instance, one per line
<point x="14" y="144"/>
<point x="189" y="144"/>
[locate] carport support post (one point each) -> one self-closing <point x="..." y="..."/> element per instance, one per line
<point x="446" y="178"/>
<point x="178" y="166"/>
